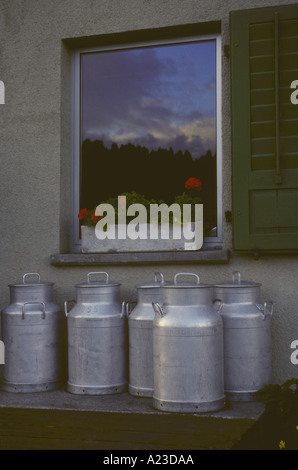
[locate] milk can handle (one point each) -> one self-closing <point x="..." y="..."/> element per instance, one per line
<point x="32" y="303"/>
<point x="237" y="273"/>
<point x="161" y="277"/>
<point x="186" y="274"/>
<point x="219" y="302"/>
<point x="66" y="305"/>
<point x="124" y="307"/>
<point x="30" y="274"/>
<point x="98" y="272"/>
<point x="266" y="308"/>
<point x="128" y="306"/>
<point x="158" y="309"/>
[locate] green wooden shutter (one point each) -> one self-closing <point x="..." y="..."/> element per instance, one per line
<point x="264" y="55"/>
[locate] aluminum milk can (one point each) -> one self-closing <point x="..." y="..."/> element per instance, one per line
<point x="140" y="329"/>
<point x="188" y="349"/>
<point x="97" y="343"/>
<point x="33" y="329"/>
<point x="247" y="337"/>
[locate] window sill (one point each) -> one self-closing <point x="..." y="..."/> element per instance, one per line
<point x="89" y="259"/>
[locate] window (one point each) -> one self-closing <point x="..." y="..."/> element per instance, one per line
<point x="146" y="118"/>
<point x="264" y="46"/>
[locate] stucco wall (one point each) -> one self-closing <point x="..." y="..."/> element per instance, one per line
<point x="35" y="150"/>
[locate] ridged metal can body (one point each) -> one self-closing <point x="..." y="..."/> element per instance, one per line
<point x="33" y="332"/>
<point x="97" y="342"/>
<point x="140" y="329"/>
<point x="247" y="338"/>
<point x="188" y="349"/>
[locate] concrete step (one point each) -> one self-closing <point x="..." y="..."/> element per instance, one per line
<point x="59" y="420"/>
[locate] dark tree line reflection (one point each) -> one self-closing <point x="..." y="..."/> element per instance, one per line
<point x="157" y="174"/>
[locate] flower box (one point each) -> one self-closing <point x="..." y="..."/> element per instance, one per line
<point x="157" y="227"/>
<point x="92" y="244"/>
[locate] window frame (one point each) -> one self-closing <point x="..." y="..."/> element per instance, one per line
<point x="75" y="243"/>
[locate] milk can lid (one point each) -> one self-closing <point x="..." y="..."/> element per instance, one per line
<point x="98" y="283"/>
<point x="183" y="285"/>
<point x="31" y="283"/>
<point x="236" y="282"/>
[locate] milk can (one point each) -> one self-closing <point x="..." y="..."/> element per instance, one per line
<point x="33" y="329"/>
<point x="97" y="343"/>
<point x="187" y="349"/>
<point x="247" y="337"/>
<point x="140" y="328"/>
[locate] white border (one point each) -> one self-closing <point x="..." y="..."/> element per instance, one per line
<point x="75" y="243"/>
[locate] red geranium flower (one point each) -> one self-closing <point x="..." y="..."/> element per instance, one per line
<point x="82" y="214"/>
<point x="95" y="218"/>
<point x="193" y="183"/>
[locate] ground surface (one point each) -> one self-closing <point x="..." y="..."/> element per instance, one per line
<point x="60" y="420"/>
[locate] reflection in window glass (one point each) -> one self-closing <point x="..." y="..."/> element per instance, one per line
<point x="148" y="126"/>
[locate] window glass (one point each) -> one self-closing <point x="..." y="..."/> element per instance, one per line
<point x="149" y="126"/>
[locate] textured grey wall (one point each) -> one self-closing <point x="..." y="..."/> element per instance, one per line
<point x="35" y="149"/>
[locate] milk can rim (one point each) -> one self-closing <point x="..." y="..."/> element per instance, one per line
<point x="186" y="285"/>
<point x="235" y="285"/>
<point x="97" y="284"/>
<point x="151" y="284"/>
<point x="31" y="284"/>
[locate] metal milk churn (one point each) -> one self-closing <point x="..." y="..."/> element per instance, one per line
<point x="97" y="343"/>
<point x="33" y="329"/>
<point x="188" y="349"/>
<point x="247" y="337"/>
<point x="140" y="329"/>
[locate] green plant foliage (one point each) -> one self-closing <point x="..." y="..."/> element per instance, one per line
<point x="277" y="428"/>
<point x="88" y="217"/>
<point x="285" y="395"/>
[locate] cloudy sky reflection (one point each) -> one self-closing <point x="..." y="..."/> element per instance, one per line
<point x="155" y="96"/>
